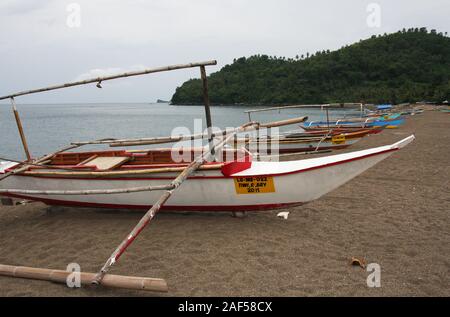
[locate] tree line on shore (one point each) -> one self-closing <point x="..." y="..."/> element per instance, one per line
<point x="406" y="66"/>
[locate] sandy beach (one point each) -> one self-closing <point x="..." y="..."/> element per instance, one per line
<point x="396" y="214"/>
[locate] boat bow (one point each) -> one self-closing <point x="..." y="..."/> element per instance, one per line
<point x="280" y="168"/>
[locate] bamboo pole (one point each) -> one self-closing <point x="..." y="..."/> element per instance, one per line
<point x="20" y="128"/>
<point x="150" y="214"/>
<point x="43" y="164"/>
<point x="328" y="105"/>
<point x="36" y="162"/>
<point x="109" y="280"/>
<point x="87" y="192"/>
<point x="120" y="173"/>
<point x="105" y="78"/>
<point x="207" y="107"/>
<point x="283" y="122"/>
<point x="328" y="119"/>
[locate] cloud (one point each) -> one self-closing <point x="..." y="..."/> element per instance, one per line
<point x="17" y="7"/>
<point x="102" y="72"/>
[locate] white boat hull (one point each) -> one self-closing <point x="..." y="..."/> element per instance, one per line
<point x="283" y="184"/>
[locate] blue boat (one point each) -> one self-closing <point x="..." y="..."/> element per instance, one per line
<point x="384" y="107"/>
<point x="388" y="123"/>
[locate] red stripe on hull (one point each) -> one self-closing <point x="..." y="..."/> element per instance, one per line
<point x="53" y="202"/>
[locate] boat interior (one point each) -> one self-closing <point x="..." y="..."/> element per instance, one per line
<point x="135" y="159"/>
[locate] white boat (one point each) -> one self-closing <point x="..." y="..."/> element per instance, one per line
<point x="263" y="185"/>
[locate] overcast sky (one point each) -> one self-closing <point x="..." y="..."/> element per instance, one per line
<point x="41" y="43"/>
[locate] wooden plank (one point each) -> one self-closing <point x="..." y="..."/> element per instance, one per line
<point x="106" y="163"/>
<point x="87" y="160"/>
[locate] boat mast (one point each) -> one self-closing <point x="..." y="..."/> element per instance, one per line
<point x="207" y="108"/>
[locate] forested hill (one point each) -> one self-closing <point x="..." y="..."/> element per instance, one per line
<point x="410" y="65"/>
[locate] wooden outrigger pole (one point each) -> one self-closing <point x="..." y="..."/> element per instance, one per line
<point x="326" y="106"/>
<point x="207" y="107"/>
<point x="105" y="78"/>
<point x="37" y="162"/>
<point x="20" y="128"/>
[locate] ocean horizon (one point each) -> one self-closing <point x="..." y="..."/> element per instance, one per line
<point x="51" y="126"/>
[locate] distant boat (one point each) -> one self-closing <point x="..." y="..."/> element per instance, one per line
<point x="161" y="101"/>
<point x="369" y="122"/>
<point x="293" y="142"/>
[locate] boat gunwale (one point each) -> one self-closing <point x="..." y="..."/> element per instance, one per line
<point x="344" y="161"/>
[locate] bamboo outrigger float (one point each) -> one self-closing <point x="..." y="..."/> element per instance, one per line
<point x="132" y="179"/>
<point x="110" y="280"/>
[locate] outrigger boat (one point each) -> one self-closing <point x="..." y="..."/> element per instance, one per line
<point x="338" y="130"/>
<point x="229" y="186"/>
<point x="293" y="142"/>
<point x="132" y="179"/>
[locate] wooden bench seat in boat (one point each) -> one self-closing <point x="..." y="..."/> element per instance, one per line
<point x="105" y="163"/>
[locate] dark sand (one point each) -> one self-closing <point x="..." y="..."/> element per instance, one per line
<point x="396" y="214"/>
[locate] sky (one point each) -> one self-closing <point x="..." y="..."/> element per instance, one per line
<point x="58" y="41"/>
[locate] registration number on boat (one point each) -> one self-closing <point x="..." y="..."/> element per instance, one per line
<point x="254" y="185"/>
<point x="338" y="139"/>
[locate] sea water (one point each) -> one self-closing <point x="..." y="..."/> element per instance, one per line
<point x="49" y="127"/>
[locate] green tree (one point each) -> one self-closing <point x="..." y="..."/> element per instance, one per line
<point x="400" y="67"/>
